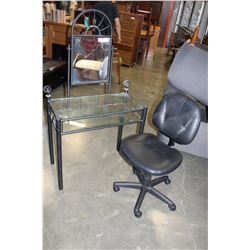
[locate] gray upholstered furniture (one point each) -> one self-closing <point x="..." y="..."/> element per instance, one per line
<point x="178" y="117"/>
<point x="189" y="74"/>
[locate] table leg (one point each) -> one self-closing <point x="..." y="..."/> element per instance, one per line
<point x="59" y="153"/>
<point x="142" y="124"/>
<point x="119" y="137"/>
<point x="50" y="136"/>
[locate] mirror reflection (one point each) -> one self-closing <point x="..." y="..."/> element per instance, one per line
<point x="90" y="61"/>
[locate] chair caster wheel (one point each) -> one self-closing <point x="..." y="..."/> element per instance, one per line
<point x="172" y="207"/>
<point x="137" y="213"/>
<point x="167" y="181"/>
<point x="115" y="188"/>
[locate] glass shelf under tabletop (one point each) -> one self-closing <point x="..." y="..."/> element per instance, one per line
<point x="93" y="112"/>
<point x="79" y="114"/>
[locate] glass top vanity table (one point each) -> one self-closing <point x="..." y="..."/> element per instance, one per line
<point x="90" y="62"/>
<point x="79" y="114"/>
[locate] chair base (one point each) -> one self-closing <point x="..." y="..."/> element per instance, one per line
<point x="146" y="185"/>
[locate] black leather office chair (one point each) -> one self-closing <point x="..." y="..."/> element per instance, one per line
<point x="178" y="117"/>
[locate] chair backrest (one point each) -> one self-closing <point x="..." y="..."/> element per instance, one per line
<point x="189" y="73"/>
<point x="178" y="117"/>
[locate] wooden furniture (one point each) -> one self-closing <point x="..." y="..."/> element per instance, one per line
<point x="117" y="60"/>
<point x="132" y="6"/>
<point x="146" y="33"/>
<point x="57" y="33"/>
<point x="154" y="6"/>
<point x="154" y="41"/>
<point x="195" y="35"/>
<point x="124" y="6"/>
<point x="130" y="37"/>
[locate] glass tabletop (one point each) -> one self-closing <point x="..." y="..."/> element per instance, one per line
<point x="94" y="106"/>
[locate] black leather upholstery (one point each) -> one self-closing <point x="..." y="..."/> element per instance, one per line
<point x="54" y="72"/>
<point x="178" y="117"/>
<point x="147" y="153"/>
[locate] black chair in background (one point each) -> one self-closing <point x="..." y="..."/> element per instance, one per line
<point x="178" y="117"/>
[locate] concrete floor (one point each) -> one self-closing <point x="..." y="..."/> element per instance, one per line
<point x="88" y="214"/>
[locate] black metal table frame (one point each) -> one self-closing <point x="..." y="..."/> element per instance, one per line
<point x="59" y="133"/>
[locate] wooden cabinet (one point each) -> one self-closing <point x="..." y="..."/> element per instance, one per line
<point x="130" y="37"/>
<point x="57" y="33"/>
<point x="154" y="6"/>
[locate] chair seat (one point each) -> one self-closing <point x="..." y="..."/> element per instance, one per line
<point x="147" y="153"/>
